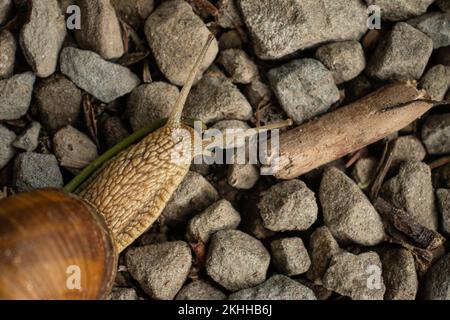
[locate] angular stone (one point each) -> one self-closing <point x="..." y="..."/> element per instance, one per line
<point x="437" y="283"/>
<point x="243" y="176"/>
<point x="436" y="134"/>
<point x="134" y="12"/>
<point x="29" y="139"/>
<point x="436" y="81"/>
<point x="238" y="65"/>
<point x="7" y="152"/>
<point x="290" y="256"/>
<point x="8" y="46"/>
<point x="408" y="148"/>
<point x="398" y="10"/>
<point x="15" y="95"/>
<point x="436" y="25"/>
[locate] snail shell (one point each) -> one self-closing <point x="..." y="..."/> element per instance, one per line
<point x="53" y="245"/>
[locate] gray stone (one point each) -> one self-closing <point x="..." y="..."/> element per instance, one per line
<point x="358" y="277"/>
<point x="42" y="36"/>
<point x="36" y="171"/>
<point x="106" y="81"/>
<point x="175" y="56"/>
<point x="8" y="46"/>
<point x="101" y="29"/>
<point x="6" y="8"/>
<point x="322" y="247"/>
<point x="29" y="139"/>
<point x="216" y="98"/>
<point x="437" y="283"/>
<point x="412" y="191"/>
<point x="304" y="88"/>
<point x="219" y="216"/>
<point x="15" y="95"/>
<point x="230" y="39"/>
<point x="401" y="55"/>
<point x="290" y="256"/>
<point x="443" y="200"/>
<point x="238" y="65"/>
<point x="289" y="205"/>
<point x="113" y="130"/>
<point x="123" y="294"/>
<point x="200" y="290"/>
<point x="344" y="59"/>
<point x="150" y="102"/>
<point x="160" y="269"/>
<point x="347" y="212"/>
<point x="364" y="172"/>
<point x="436" y="134"/>
<point x="436" y="25"/>
<point x="193" y="195"/>
<point x="243" y="176"/>
<point x="278" y="287"/>
<point x="441" y="177"/>
<point x="436" y="82"/>
<point x="280" y="28"/>
<point x="399" y="274"/>
<point x="408" y="148"/>
<point x="7" y="152"/>
<point x="257" y="93"/>
<point x="59" y="102"/>
<point x="397" y="10"/>
<point x="228" y="15"/>
<point x="236" y="260"/>
<point x="134" y="12"/>
<point x="73" y="149"/>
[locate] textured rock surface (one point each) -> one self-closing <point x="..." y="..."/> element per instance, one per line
<point x="243" y="176"/>
<point x="238" y="65"/>
<point x="408" y="148"/>
<point x="123" y="294"/>
<point x="436" y="134"/>
<point x="436" y="26"/>
<point x="7" y="152"/>
<point x="397" y="10"/>
<point x="15" y="95"/>
<point x="290" y="256"/>
<point x="364" y="172"/>
<point x="134" y="12"/>
<point x="29" y="139"/>
<point x="443" y="199"/>
<point x="436" y="81"/>
<point x="437" y="284"/>
<point x="8" y="46"/>
<point x="200" y="290"/>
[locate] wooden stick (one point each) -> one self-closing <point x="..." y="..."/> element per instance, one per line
<point x="349" y="128"/>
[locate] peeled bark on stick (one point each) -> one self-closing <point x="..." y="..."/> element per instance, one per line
<point x="349" y="128"/>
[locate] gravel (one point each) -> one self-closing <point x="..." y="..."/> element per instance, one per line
<point x="36" y="171"/>
<point x="243" y="176"/>
<point x="436" y="26"/>
<point x="7" y="152"/>
<point x="160" y="269"/>
<point x="437" y="284"/>
<point x="289" y="205"/>
<point x="123" y="294"/>
<point x="441" y="177"/>
<point x="228" y="15"/>
<point x="42" y="36"/>
<point x="238" y="65"/>
<point x="436" y="134"/>
<point x="176" y="17"/>
<point x="397" y="10"/>
<point x="229" y="40"/>
<point x="290" y="256"/>
<point x="407" y="148"/>
<point x="200" y="290"/>
<point x="364" y="172"/>
<point x="401" y="55"/>
<point x="278" y="287"/>
<point x="436" y="81"/>
<point x="258" y="92"/>
<point x="8" y="46"/>
<point x="29" y="139"/>
<point x="106" y="81"/>
<point x="15" y="95"/>
<point x="443" y="200"/>
<point x="236" y="260"/>
<point x="304" y="88"/>
<point x="134" y="12"/>
<point x="347" y="212"/>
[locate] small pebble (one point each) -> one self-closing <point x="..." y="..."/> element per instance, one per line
<point x="8" y="46"/>
<point x="134" y="12"/>
<point x="29" y="139"/>
<point x="123" y="294"/>
<point x="289" y="205"/>
<point x="443" y="200"/>
<point x="113" y="130"/>
<point x="238" y="65"/>
<point x="358" y="277"/>
<point x="436" y="25"/>
<point x="408" y="148"/>
<point x="151" y="102"/>
<point x="200" y="290"/>
<point x="175" y="17"/>
<point x="437" y="283"/>
<point x="15" y="95"/>
<point x="277" y="287"/>
<point x="436" y="81"/>
<point x="230" y="39"/>
<point x="257" y="92"/>
<point x="344" y="59"/>
<point x="236" y="260"/>
<point x="243" y="176"/>
<point x="400" y="9"/>
<point x="6" y="8"/>
<point x="304" y="88"/>
<point x="347" y="212"/>
<point x="401" y="55"/>
<point x="106" y="81"/>
<point x="160" y="269"/>
<point x="219" y="216"/>
<point x="436" y="134"/>
<point x="290" y="256"/>
<point x="7" y="152"/>
<point x="101" y="29"/>
<point x="36" y="171"/>
<point x="42" y="36"/>
<point x="364" y="172"/>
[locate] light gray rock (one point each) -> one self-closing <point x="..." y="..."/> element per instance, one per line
<point x="399" y="274"/>
<point x="347" y="212"/>
<point x="123" y="294"/>
<point x="436" y="82"/>
<point x="7" y="152"/>
<point x="344" y="59"/>
<point x="398" y="10"/>
<point x="8" y="46"/>
<point x="15" y="95"/>
<point x="443" y="200"/>
<point x="437" y="283"/>
<point x="280" y="28"/>
<point x="104" y="80"/>
<point x="160" y="269"/>
<point x="216" y="98"/>
<point x="401" y="55"/>
<point x="175" y="56"/>
<point x="29" y="139"/>
<point x="358" y="277"/>
<point x="243" y="176"/>
<point x="289" y="205"/>
<point x="364" y="172"/>
<point x="278" y="287"/>
<point x="412" y="191"/>
<point x="36" y="171"/>
<point x="436" y="25"/>
<point x="236" y="260"/>
<point x="200" y="290"/>
<point x="408" y="148"/>
<point x="6" y="8"/>
<point x="134" y="12"/>
<point x="436" y="134"/>
<point x="42" y="36"/>
<point x="290" y="256"/>
<point x="238" y="65"/>
<point x="101" y="29"/>
<point x="219" y="216"/>
<point x="304" y="88"/>
<point x="150" y="102"/>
